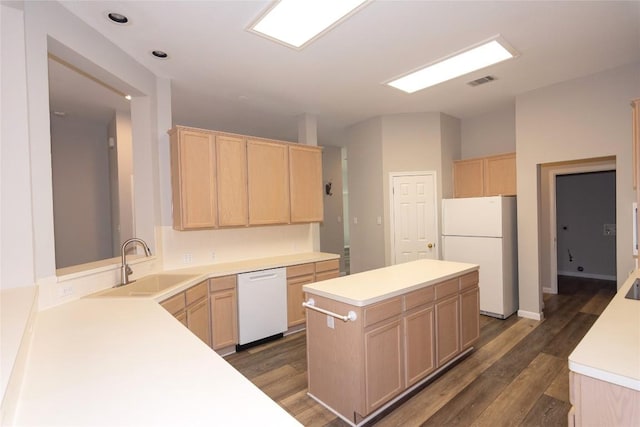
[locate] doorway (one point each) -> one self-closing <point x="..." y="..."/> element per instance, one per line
<point x="547" y="208"/>
<point x="414" y="219"/>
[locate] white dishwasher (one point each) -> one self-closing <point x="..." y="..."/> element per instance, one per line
<point x="262" y="306"/>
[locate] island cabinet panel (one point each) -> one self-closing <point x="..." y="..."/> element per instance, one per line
<point x="420" y="352"/>
<point x="305" y="177"/>
<point x="223" y="300"/>
<point x="469" y="310"/>
<point x="357" y="367"/>
<point x="193" y="179"/>
<point x="231" y="166"/>
<point x="383" y="363"/>
<point x="268" y="182"/>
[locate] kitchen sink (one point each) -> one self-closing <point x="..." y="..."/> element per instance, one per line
<point x="634" y="291"/>
<point x="147" y="286"/>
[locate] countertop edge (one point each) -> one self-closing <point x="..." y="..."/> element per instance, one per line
<point x="602" y="375"/>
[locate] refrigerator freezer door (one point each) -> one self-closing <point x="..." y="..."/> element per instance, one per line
<point x="475" y="216"/>
<point x="486" y="252"/>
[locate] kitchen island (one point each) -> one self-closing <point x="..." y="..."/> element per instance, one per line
<point x="404" y="324"/>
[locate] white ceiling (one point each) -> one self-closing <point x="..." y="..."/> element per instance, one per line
<point x="226" y="78"/>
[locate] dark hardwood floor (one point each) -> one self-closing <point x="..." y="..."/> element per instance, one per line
<point x="516" y="376"/>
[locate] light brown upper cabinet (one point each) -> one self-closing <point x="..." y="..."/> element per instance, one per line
<point x="305" y="178"/>
<point x="231" y="165"/>
<point x="193" y="178"/>
<point x="268" y="177"/>
<point x="227" y="180"/>
<point x="485" y="176"/>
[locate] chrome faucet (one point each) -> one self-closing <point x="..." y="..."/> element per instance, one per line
<point x="125" y="270"/>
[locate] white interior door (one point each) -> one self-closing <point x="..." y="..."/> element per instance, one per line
<point x="414" y="215"/>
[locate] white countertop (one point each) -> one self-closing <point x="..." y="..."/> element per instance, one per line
<point x="204" y="272"/>
<point x="372" y="286"/>
<point x="129" y="362"/>
<point x="610" y="351"/>
<point x="126" y="361"/>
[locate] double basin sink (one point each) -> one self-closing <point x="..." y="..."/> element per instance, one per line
<point x="147" y="286"/>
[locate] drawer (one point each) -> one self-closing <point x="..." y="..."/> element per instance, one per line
<point x="175" y="304"/>
<point x="327" y="275"/>
<point x="222" y="283"/>
<point x="300" y="279"/>
<point x="444" y="289"/>
<point x="332" y="264"/>
<point x="196" y="292"/>
<point x="469" y="280"/>
<point x="382" y="310"/>
<point x="420" y="297"/>
<point x="300" y="270"/>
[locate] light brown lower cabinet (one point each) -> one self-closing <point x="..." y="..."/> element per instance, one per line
<point x="601" y="403"/>
<point x="358" y="366"/>
<point x="223" y="300"/>
<point x="190" y="307"/>
<point x="303" y="274"/>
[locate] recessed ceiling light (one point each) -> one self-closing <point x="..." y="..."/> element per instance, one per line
<point x="295" y="22"/>
<point x="118" y="18"/>
<point x="127" y="97"/>
<point x="160" y="54"/>
<point x="469" y="60"/>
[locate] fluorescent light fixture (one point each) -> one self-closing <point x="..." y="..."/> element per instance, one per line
<point x="473" y="59"/>
<point x="296" y="22"/>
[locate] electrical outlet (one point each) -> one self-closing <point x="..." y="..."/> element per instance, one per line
<point x="65" y="291"/>
<point x="330" y="322"/>
<point x="187" y="258"/>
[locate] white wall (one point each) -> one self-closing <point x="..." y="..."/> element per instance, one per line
<point x="332" y="228"/>
<point x="490" y="133"/>
<point x="578" y="119"/>
<point x="393" y="143"/>
<point x="584" y="203"/>
<point x="16" y="239"/>
<point x="366" y="183"/>
<point x="81" y="194"/>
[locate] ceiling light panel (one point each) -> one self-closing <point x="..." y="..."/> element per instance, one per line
<point x="470" y="60"/>
<point x="297" y="22"/>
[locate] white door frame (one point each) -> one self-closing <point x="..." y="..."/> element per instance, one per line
<point x="568" y="169"/>
<point x="392" y="238"/>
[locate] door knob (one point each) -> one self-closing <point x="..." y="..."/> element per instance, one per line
<point x="430" y="245"/>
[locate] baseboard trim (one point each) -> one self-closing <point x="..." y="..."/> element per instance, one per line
<point x="587" y="275"/>
<point x="530" y="315"/>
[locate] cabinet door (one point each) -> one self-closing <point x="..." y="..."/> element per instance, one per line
<point x="383" y="364"/>
<point x="198" y="320"/>
<point x="447" y="329"/>
<point x="268" y="182"/>
<point x="469" y="317"/>
<point x="224" y="318"/>
<point x="231" y="161"/>
<point x="500" y="175"/>
<point x="305" y="179"/>
<point x="295" y="298"/>
<point x="468" y="176"/>
<point x="635" y="122"/>
<point x="419" y="345"/>
<point x="193" y="179"/>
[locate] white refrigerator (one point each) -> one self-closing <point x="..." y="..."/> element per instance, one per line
<point x="482" y="230"/>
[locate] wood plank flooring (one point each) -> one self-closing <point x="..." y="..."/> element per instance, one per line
<point x="516" y="376"/>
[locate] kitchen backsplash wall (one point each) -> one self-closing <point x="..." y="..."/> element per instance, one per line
<point x="190" y="248"/>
